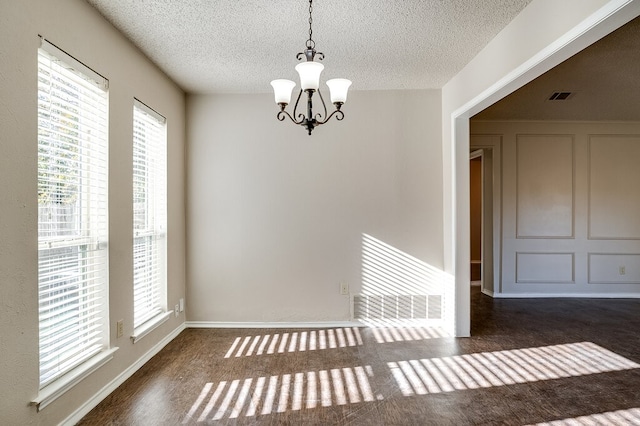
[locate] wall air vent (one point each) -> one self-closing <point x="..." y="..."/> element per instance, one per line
<point x="560" y="96"/>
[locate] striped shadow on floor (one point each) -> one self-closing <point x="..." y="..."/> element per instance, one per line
<point x="618" y="418"/>
<point x="341" y="386"/>
<point x="278" y="394"/>
<point x="295" y="342"/>
<point x="500" y="368"/>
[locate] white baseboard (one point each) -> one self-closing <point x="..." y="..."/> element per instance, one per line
<point x="92" y="402"/>
<point x="565" y="295"/>
<point x="488" y="292"/>
<point x="224" y="324"/>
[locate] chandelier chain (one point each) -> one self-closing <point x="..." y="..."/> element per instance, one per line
<point x="310" y="43"/>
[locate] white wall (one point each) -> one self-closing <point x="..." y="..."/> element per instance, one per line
<point x="77" y="28"/>
<point x="571" y="210"/>
<point x="276" y="218"/>
<point x="544" y="34"/>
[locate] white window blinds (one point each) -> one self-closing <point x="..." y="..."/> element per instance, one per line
<point x="149" y="214"/>
<point x="72" y="213"/>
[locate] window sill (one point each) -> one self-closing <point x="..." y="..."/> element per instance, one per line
<point x="149" y="326"/>
<point x="56" y="389"/>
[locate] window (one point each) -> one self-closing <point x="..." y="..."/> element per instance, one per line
<point x="72" y="213"/>
<point x="149" y="215"/>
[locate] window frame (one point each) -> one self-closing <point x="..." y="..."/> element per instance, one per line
<point x="73" y="288"/>
<point x="150" y="221"/>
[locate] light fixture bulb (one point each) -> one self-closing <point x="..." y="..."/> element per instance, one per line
<point x="282" y="90"/>
<point x="309" y="74"/>
<point x="338" y="88"/>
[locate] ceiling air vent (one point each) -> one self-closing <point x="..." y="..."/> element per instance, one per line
<point x="560" y="96"/>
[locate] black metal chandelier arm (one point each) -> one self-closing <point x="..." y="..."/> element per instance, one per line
<point x="282" y="114"/>
<point x="310" y="55"/>
<point x="301" y="117"/>
<point x="338" y="113"/>
<point x="318" y="116"/>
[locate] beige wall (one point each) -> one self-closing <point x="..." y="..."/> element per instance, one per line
<point x="277" y="218"/>
<point x="82" y="32"/>
<point x="571" y="210"/>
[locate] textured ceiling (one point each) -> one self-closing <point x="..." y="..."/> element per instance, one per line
<point x="603" y="79"/>
<point x="239" y="46"/>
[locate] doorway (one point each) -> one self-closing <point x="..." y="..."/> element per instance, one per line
<point x="484" y="202"/>
<point x="475" y="215"/>
<point x="466" y="95"/>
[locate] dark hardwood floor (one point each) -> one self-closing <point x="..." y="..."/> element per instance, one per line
<point x="527" y="362"/>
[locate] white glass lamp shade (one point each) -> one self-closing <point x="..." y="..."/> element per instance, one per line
<point x="338" y="88"/>
<point x="282" y="89"/>
<point x="309" y="74"/>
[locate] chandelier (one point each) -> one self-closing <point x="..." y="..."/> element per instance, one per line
<point x="309" y="72"/>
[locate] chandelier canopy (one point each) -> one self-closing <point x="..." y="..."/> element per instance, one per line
<point x="309" y="72"/>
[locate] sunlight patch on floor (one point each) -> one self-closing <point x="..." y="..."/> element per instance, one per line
<point x="406" y="333"/>
<point x="619" y="418"/>
<point x="298" y="341"/>
<point x="500" y="368"/>
<point x="278" y="394"/>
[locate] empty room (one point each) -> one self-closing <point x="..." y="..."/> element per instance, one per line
<point x="319" y="212"/>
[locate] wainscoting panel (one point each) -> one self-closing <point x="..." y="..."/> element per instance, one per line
<point x="569" y="208"/>
<point x="545" y="268"/>
<point x="545" y="186"/>
<point x="614" y="199"/>
<point x="614" y="268"/>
